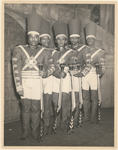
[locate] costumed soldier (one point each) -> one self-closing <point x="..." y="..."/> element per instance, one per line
<point x="90" y="81"/>
<point x="45" y="38"/>
<point x="27" y="76"/>
<point x="81" y="56"/>
<point x="61" y="56"/>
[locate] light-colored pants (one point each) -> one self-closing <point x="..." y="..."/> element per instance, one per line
<point x="90" y="80"/>
<point x="66" y="85"/>
<point x="47" y="85"/>
<point x="31" y="87"/>
<point x="76" y="84"/>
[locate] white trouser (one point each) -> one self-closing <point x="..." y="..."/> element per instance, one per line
<point x="47" y="85"/>
<point x="76" y="84"/>
<point x="66" y="85"/>
<point x="90" y="80"/>
<point x="31" y="87"/>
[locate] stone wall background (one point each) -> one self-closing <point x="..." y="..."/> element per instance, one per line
<point x="15" y="34"/>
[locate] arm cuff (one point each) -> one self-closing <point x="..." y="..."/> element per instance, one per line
<point x="19" y="88"/>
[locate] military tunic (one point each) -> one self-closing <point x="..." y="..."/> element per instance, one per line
<point x="26" y="75"/>
<point x="82" y="57"/>
<point x="97" y="56"/>
<point x="48" y="109"/>
<point x="26" y="72"/>
<point x="90" y="81"/>
<point x="63" y="56"/>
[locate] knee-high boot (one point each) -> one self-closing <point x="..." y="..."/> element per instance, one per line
<point x="86" y="105"/>
<point x="26" y="105"/>
<point x="76" y="115"/>
<point x="65" y="110"/>
<point x="94" y="99"/>
<point x="56" y="119"/>
<point x="35" y="118"/>
<point x="51" y="117"/>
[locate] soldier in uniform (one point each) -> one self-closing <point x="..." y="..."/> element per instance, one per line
<point x="27" y="76"/>
<point x="45" y="38"/>
<point x="90" y="80"/>
<point x="81" y="56"/>
<point x="61" y="56"/>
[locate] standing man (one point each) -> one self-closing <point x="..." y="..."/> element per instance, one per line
<point x="27" y="76"/>
<point x="90" y="80"/>
<point x="82" y="57"/>
<point x="61" y="57"/>
<point x="47" y="82"/>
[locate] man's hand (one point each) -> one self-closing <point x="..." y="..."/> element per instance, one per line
<point x="63" y="74"/>
<point x="42" y="73"/>
<point x="21" y="93"/>
<point x="98" y="72"/>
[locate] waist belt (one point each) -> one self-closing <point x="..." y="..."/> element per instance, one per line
<point x="30" y="74"/>
<point x="93" y="70"/>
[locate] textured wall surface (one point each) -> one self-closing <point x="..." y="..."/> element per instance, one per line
<point x="15" y="34"/>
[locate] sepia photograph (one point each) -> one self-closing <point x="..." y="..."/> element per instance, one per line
<point x="59" y="75"/>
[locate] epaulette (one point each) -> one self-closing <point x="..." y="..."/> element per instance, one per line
<point x="54" y="51"/>
<point x="103" y="49"/>
<point x="21" y="45"/>
<point x="100" y="48"/>
<point x="46" y="48"/>
<point x="25" y="45"/>
<point x="87" y="46"/>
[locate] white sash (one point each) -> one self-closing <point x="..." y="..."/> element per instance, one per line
<point x="54" y="51"/>
<point x="65" y="54"/>
<point x="81" y="48"/>
<point x="26" y="53"/>
<point x="95" y="53"/>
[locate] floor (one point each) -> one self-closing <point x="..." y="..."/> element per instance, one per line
<point x="87" y="135"/>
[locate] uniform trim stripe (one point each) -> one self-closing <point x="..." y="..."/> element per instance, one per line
<point x="31" y="77"/>
<point x="81" y="48"/>
<point x="24" y="51"/>
<point x="54" y="52"/>
<point x="95" y="53"/>
<point x="62" y="57"/>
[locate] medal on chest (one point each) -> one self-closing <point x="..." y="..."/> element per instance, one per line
<point x="31" y="62"/>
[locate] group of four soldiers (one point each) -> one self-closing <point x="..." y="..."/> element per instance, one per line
<point x="57" y="82"/>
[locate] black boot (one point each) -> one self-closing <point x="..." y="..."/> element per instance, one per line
<point x="66" y="106"/>
<point x="51" y="124"/>
<point x="25" y="135"/>
<point x="34" y="134"/>
<point x="76" y="114"/>
<point x="46" y="130"/>
<point x="86" y="106"/>
<point x="94" y="99"/>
